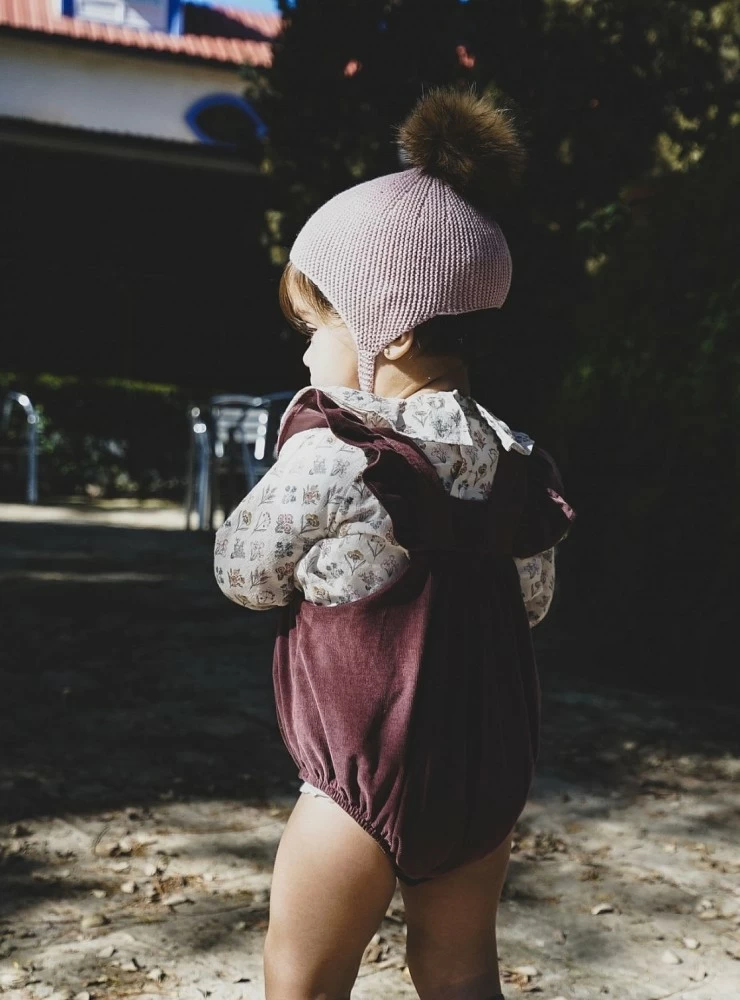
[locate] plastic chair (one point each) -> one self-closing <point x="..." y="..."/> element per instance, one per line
<point x="22" y="400"/>
<point x="232" y="446"/>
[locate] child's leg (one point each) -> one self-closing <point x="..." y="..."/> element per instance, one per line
<point x="451" y="938"/>
<point x="331" y="887"/>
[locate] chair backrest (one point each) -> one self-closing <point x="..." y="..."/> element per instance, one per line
<point x="30" y="447"/>
<point x="252" y="423"/>
<point x="242" y="418"/>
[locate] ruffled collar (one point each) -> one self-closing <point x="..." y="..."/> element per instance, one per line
<point x="430" y="416"/>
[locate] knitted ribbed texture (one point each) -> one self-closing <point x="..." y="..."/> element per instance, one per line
<point x="394" y="251"/>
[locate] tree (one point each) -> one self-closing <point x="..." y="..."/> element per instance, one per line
<point x="619" y="325"/>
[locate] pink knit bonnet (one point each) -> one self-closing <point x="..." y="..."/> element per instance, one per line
<point x="397" y="250"/>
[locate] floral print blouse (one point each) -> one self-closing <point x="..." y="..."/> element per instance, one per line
<point x="312" y="523"/>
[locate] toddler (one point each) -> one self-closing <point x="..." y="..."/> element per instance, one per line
<point x="407" y="536"/>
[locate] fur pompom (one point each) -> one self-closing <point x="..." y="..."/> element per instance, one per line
<point x="464" y="140"/>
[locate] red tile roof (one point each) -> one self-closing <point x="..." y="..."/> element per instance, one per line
<point x="37" y="16"/>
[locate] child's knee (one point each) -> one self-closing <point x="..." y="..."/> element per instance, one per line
<point x="436" y="981"/>
<point x="292" y="973"/>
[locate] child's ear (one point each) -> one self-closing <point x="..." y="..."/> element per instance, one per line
<point x="400" y="347"/>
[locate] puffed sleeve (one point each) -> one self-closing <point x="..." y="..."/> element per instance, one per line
<point x="537" y="582"/>
<point x="260" y="543"/>
<point x="546" y="516"/>
<point x="545" y="522"/>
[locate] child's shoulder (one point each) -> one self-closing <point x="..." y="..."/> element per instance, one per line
<point x="316" y="440"/>
<point x="446" y="418"/>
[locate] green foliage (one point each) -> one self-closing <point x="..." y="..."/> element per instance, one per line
<point x="621" y="348"/>
<point x="107" y="437"/>
<point x="607" y="96"/>
<point x="652" y="408"/>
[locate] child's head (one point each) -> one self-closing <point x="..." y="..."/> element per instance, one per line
<point x="396" y="276"/>
<point x="443" y="345"/>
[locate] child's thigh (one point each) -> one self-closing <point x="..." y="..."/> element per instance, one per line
<point x="331" y="887"/>
<point x="451" y="919"/>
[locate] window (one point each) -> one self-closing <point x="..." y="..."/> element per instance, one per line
<point x="227" y="120"/>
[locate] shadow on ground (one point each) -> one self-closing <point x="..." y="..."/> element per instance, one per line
<point x="127" y="675"/>
<point x="134" y="691"/>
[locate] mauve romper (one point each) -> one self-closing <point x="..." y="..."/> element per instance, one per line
<point x="417" y="708"/>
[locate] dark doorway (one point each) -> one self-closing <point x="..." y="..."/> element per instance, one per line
<point x="118" y="265"/>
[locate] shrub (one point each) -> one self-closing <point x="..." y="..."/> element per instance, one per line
<point x="100" y="437"/>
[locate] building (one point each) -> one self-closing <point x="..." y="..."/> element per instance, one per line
<point x="147" y="68"/>
<point x="129" y="244"/>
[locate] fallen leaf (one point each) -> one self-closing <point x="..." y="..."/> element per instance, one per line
<point x="372" y="953"/>
<point x="670" y="958"/>
<point x="106" y="849"/>
<point x="698" y="975"/>
<point x="175" y="899"/>
<point x="13" y="977"/>
<point x="527" y="970"/>
<point x="601" y="908"/>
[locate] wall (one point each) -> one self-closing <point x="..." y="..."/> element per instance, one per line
<point x="105" y="90"/>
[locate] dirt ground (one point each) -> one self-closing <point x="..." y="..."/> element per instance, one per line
<point x="144" y="788"/>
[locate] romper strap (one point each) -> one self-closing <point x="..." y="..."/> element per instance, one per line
<point x="316" y="409"/>
<point x="405" y="481"/>
<point x="398" y="472"/>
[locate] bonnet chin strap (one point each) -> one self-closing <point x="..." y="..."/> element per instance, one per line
<point x="366" y="369"/>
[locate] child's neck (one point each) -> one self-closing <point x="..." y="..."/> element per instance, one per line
<point x="443" y="384"/>
<point x="430" y="379"/>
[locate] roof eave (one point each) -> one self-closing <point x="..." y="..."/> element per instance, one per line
<point x="49" y="38"/>
<point x="31" y="134"/>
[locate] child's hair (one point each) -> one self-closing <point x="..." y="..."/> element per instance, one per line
<point x="466" y="336"/>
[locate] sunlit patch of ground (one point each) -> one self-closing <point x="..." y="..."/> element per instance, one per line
<point x="144" y="788"/>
